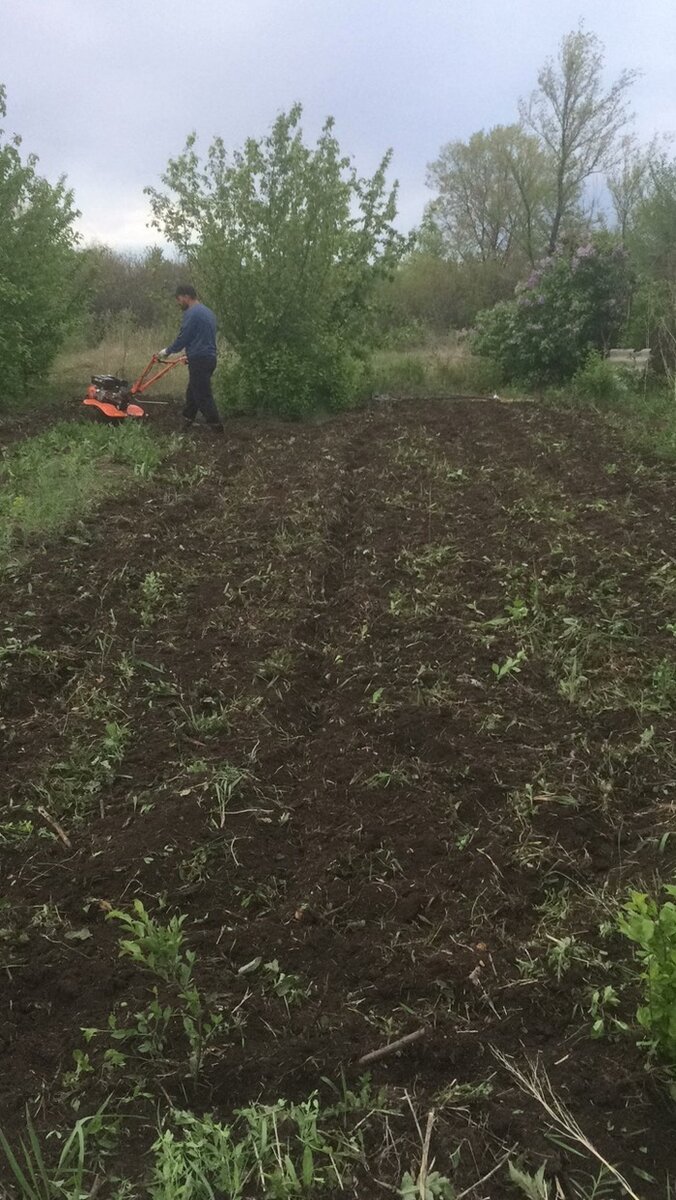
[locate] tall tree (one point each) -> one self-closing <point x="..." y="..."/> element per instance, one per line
<point x="629" y="180"/>
<point x="489" y="193"/>
<point x="529" y="168"/>
<point x="652" y="241"/>
<point x="653" y="234"/>
<point x="576" y="119"/>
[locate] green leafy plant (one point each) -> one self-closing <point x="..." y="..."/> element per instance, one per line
<point x="38" y="1179"/>
<point x="602" y="1003"/>
<point x="434" y="1187"/>
<point x="510" y="666"/>
<point x="73" y="782"/>
<point x="157" y="947"/>
<point x="534" y="1187"/>
<point x="572" y="302"/>
<point x="149" y="1031"/>
<point x="306" y="240"/>
<point x="652" y="927"/>
<point x="153" y="597"/>
<point x="601" y="382"/>
<point x="287" y="987"/>
<point x="287" y="1148"/>
<point x="37" y="266"/>
<point x="160" y="949"/>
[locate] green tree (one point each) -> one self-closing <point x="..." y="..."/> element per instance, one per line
<point x="37" y="266"/>
<point x="135" y="286"/>
<point x="439" y="293"/>
<point x="287" y="244"/>
<point x="629" y="181"/>
<point x="577" y="121"/>
<point x="652" y="242"/>
<point x="491" y="192"/>
<point x="653" y="234"/>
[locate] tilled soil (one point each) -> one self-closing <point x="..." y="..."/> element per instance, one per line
<point x="397" y="714"/>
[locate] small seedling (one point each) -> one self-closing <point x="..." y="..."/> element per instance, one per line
<point x="604" y="1023"/>
<point x="157" y="947"/>
<point x="511" y="666"/>
<point x="153" y="597"/>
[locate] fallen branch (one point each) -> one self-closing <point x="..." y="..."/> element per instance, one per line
<point x="95" y="1188"/>
<point x="422" y="1178"/>
<point x="373" y="1055"/>
<point x="55" y="826"/>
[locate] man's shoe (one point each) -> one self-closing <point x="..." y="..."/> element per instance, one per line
<point x="187" y="426"/>
<point x="217" y="430"/>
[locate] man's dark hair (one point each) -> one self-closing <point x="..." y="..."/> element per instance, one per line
<point x="186" y="289"/>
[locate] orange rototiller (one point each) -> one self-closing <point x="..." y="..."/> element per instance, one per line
<point x="111" y="399"/>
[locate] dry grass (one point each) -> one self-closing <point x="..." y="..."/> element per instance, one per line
<point x="124" y="354"/>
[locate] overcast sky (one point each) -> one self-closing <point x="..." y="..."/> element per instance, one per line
<point x="106" y="91"/>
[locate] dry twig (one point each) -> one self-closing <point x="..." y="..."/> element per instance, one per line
<point x="538" y="1086"/>
<point x="373" y="1055"/>
<point x="55" y="826"/>
<point x="422" y="1178"/>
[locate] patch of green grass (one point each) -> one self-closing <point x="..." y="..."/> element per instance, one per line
<point x="426" y="372"/>
<point x="287" y="1148"/>
<point x="42" y="1176"/>
<point x="50" y="481"/>
<point x="643" y="414"/>
<point x="70" y="787"/>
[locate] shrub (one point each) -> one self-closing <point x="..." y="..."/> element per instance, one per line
<point x="288" y="244"/>
<point x="598" y="381"/>
<point x="37" y="266"/>
<point x="572" y="303"/>
<point x="652" y="927"/>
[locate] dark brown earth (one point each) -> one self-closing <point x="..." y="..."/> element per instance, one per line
<point x="407" y="829"/>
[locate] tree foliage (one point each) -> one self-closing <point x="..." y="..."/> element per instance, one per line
<point x="652" y="242"/>
<point x="430" y="292"/>
<point x="37" y="266"/>
<point x="629" y="181"/>
<point x="574" y="302"/>
<point x="514" y="192"/>
<point x="491" y="196"/>
<point x="576" y="119"/>
<point x="135" y="287"/>
<point x="287" y="243"/>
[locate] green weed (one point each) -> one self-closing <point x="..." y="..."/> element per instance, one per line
<point x="510" y="666"/>
<point x="153" y="597"/>
<point x="49" y="482"/>
<point x="160" y="949"/>
<point x="72" y="783"/>
<point x="652" y="927"/>
<point x="63" y="1179"/>
<point x="284" y="1149"/>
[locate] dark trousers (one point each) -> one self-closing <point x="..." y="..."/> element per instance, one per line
<point x="199" y="396"/>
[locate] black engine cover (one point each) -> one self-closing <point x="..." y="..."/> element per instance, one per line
<point x="110" y="383"/>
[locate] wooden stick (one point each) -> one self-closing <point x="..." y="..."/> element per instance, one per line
<point x="496" y="1168"/>
<point x="55" y="826"/>
<point x="422" y="1178"/>
<point x="373" y="1055"/>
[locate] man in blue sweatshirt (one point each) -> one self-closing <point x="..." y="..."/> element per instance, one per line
<point x="197" y="338"/>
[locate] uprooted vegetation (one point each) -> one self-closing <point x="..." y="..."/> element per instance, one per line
<point x="328" y="737"/>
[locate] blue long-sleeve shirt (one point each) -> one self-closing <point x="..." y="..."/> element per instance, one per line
<point x="197" y="335"/>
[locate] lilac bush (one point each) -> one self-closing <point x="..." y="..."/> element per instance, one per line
<point x="572" y="302"/>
